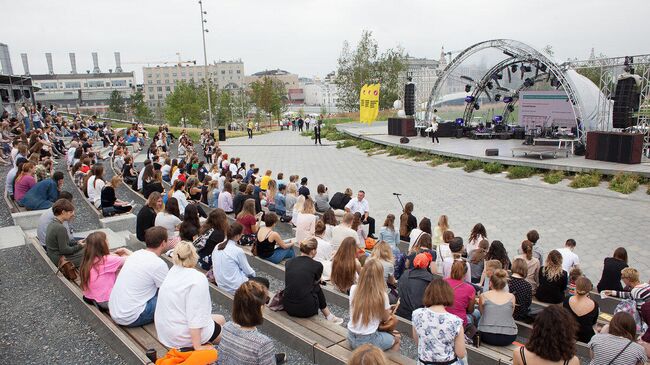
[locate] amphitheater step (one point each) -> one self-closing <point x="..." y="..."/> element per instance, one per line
<point x="28" y="219"/>
<point x="121" y="222"/>
<point x="12" y="236"/>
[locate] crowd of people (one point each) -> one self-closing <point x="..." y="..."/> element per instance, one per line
<point x="453" y="292"/>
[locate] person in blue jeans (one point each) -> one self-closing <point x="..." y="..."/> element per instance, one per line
<point x="281" y="203"/>
<point x="268" y="239"/>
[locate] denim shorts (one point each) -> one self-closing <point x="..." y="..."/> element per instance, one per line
<point x="146" y="316"/>
<point x="383" y="340"/>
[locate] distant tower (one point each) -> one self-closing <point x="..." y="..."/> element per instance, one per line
<point x="96" y="69"/>
<point x="73" y="63"/>
<point x="25" y="63"/>
<point x="118" y="62"/>
<point x="443" y="59"/>
<point x="50" y="67"/>
<point x="592" y="55"/>
<point x="5" y="60"/>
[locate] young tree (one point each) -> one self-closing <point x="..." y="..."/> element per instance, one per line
<point x="184" y="104"/>
<point x="269" y="95"/>
<point x="365" y="65"/>
<point x="225" y="112"/>
<point x="138" y="106"/>
<point x="116" y="103"/>
<point x="241" y="104"/>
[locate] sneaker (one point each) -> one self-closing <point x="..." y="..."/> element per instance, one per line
<point x="280" y="358"/>
<point x="336" y="320"/>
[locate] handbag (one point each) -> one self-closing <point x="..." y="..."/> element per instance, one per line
<point x="67" y="268"/>
<point x="389" y="324"/>
<point x="199" y="242"/>
<point x="276" y="304"/>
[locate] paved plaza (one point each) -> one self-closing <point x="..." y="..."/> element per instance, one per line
<point x="597" y="218"/>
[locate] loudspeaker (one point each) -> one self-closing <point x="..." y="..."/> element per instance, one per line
<point x="222" y="134"/>
<point x="404" y="140"/>
<point x="409" y="99"/>
<point x="492" y="152"/>
<point x="626" y="102"/>
<point x="404" y="127"/>
<point x="614" y="147"/>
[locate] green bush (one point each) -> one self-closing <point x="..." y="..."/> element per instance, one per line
<point x="473" y="165"/>
<point x="554" y="177"/>
<point x="585" y="180"/>
<point x="493" y="168"/>
<point x="520" y="172"/>
<point x="436" y="160"/>
<point x="456" y="164"/>
<point x="345" y="143"/>
<point x="421" y="157"/>
<point x="397" y="151"/>
<point x="366" y="145"/>
<point x="624" y="183"/>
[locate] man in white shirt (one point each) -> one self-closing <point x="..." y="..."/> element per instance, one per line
<point x="133" y="300"/>
<point x="70" y="154"/>
<point x="165" y="170"/>
<point x="360" y="205"/>
<point x="343" y="231"/>
<point x="569" y="258"/>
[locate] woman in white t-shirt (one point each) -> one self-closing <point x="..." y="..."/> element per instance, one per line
<point x="170" y="218"/>
<point x="305" y="221"/>
<point x="183" y="315"/>
<point x="369" y="307"/>
<point x="180" y="195"/>
<point x="324" y="252"/>
<point x="423" y="227"/>
<point x="95" y="185"/>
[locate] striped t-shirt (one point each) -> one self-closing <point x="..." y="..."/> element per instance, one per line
<point x="244" y="347"/>
<point x="608" y="347"/>
<point x="640" y="294"/>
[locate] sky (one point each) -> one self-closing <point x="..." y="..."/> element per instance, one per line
<point x="306" y="36"/>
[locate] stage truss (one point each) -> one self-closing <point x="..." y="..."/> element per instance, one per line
<point x="609" y="69"/>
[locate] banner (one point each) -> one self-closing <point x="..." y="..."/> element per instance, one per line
<point x="369" y="103"/>
<point x="545" y="109"/>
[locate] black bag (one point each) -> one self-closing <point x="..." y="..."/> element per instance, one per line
<point x="404" y="140"/>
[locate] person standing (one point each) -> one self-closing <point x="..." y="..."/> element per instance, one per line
<point x="249" y="129"/>
<point x="317" y="129"/>
<point x="434" y="128"/>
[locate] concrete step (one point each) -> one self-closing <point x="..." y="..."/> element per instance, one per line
<point x="12" y="236"/>
<point x="27" y="220"/>
<point x="115" y="239"/>
<point x="121" y="222"/>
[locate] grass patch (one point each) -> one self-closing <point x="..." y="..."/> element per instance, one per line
<point x="366" y="145"/>
<point x="397" y="151"/>
<point x="436" y="161"/>
<point x="345" y="143"/>
<point x="624" y="183"/>
<point x="493" y="168"/>
<point x="473" y="165"/>
<point x="422" y="157"/>
<point x="377" y="151"/>
<point x="456" y="164"/>
<point x="554" y="177"/>
<point x="585" y="180"/>
<point x="520" y="172"/>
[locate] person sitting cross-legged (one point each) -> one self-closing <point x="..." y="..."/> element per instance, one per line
<point x="44" y="193"/>
<point x="57" y="238"/>
<point x="133" y="300"/>
<point x="268" y="239"/>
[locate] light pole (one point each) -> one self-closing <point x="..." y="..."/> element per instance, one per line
<point x="205" y="61"/>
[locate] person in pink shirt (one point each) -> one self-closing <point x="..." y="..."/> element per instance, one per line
<point x="99" y="269"/>
<point x="464" y="294"/>
<point x="24" y="181"/>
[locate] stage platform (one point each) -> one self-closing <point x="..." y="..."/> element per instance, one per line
<point x="470" y="149"/>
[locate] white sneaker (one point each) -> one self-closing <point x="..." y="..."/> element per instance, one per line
<point x="336" y="320"/>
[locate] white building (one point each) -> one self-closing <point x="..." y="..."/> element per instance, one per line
<point x="159" y="81"/>
<point x="320" y="92"/>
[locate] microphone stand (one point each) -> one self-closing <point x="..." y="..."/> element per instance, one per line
<point x="399" y="200"/>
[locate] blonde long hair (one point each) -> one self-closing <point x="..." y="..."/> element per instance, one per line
<point x="382" y="251"/>
<point x="369" y="300"/>
<point x="553" y="265"/>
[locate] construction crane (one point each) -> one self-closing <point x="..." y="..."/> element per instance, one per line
<point x="178" y="63"/>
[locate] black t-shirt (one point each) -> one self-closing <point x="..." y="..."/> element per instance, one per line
<point x="339" y="200"/>
<point x="145" y="220"/>
<point x="551" y="291"/>
<point x="304" y="190"/>
<point x="108" y="197"/>
<point x="149" y="188"/>
<point x="302" y="281"/>
<point x="611" y="278"/>
<point x="411" y="287"/>
<point x="585" y="323"/>
<point x="265" y="247"/>
<point x="215" y="238"/>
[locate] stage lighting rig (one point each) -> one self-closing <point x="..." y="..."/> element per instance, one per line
<point x="468" y="88"/>
<point x="497" y="97"/>
<point x="489" y="85"/>
<point x="526" y="68"/>
<point x="476" y="106"/>
<point x="508" y="99"/>
<point x="514" y="68"/>
<point x="469" y="99"/>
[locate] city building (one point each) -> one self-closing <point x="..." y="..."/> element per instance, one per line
<point x="159" y="81"/>
<point x="319" y="92"/>
<point x="15" y="90"/>
<point x="89" y="91"/>
<point x="289" y="80"/>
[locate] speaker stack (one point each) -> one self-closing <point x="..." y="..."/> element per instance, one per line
<point x="409" y="99"/>
<point x="626" y="102"/>
<point x="615" y="147"/>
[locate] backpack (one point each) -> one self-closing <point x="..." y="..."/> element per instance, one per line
<point x="629" y="306"/>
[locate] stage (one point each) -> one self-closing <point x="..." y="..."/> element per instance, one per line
<point x="470" y="149"/>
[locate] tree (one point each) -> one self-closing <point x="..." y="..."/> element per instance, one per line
<point x="269" y="95"/>
<point x="365" y="65"/>
<point x="184" y="103"/>
<point x="138" y="106"/>
<point x="116" y="103"/>
<point x="241" y="103"/>
<point x="224" y="114"/>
